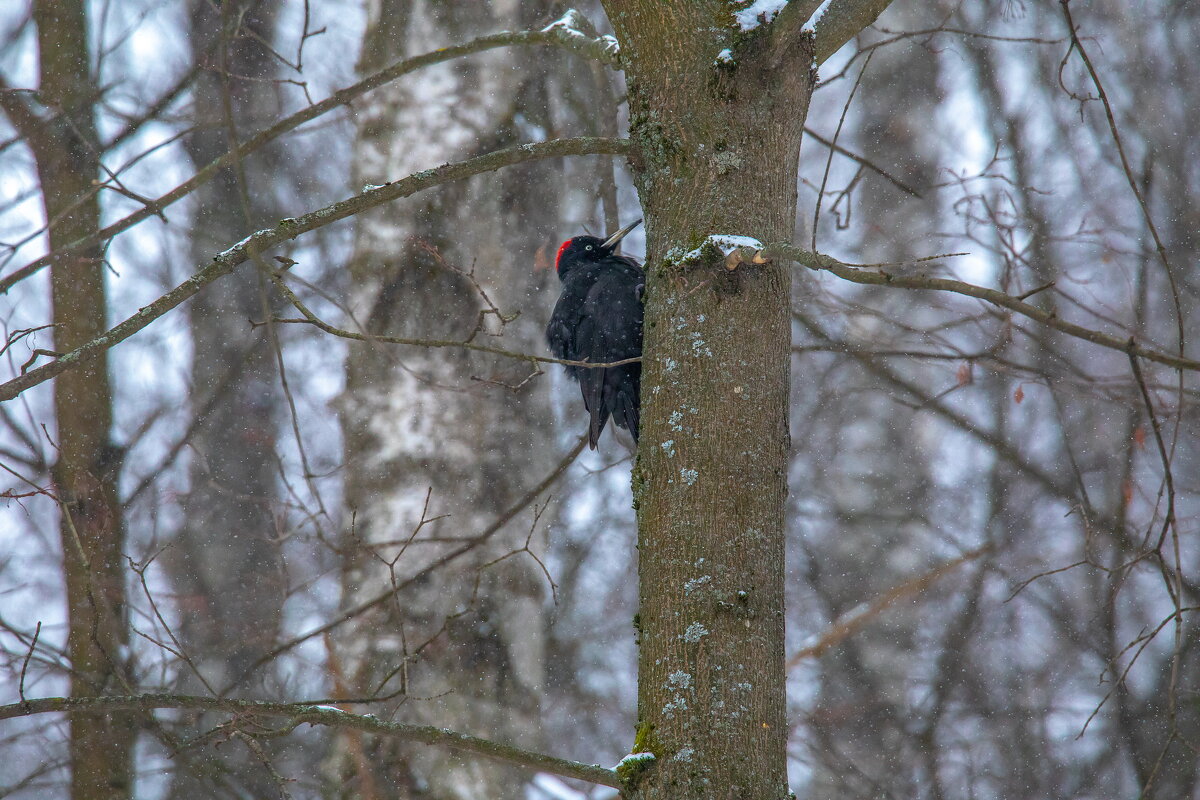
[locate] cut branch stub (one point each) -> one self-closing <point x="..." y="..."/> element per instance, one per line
<point x="745" y="255"/>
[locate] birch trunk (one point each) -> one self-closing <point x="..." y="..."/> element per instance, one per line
<point x="464" y="648"/>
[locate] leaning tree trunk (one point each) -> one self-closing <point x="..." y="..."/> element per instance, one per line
<point x="866" y="460"/>
<point x="719" y="140"/>
<point x="85" y="475"/>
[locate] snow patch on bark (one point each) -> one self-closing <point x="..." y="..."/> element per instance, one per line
<point x="811" y="25"/>
<point x="569" y="23"/>
<point x="572" y="24"/>
<point x="760" y="12"/>
<point x="725" y="242"/>
<point x="634" y="758"/>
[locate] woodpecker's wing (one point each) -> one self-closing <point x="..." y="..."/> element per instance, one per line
<point x="564" y="323"/>
<point x="610" y="329"/>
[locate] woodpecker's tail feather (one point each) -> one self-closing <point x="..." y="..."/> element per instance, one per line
<point x="596" y="427"/>
<point x="625" y="411"/>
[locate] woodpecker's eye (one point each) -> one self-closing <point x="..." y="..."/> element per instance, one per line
<point x="589" y="247"/>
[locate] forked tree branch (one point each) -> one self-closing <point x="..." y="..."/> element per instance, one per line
<point x="833" y="22"/>
<point x="795" y="15"/>
<point x="842" y="21"/>
<point x="225" y="262"/>
<point x="297" y="714"/>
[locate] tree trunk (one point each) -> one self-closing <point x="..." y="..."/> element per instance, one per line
<point x="415" y="420"/>
<point x="225" y="563"/>
<point x="869" y="466"/>
<point x="88" y="465"/>
<point x="719" y="143"/>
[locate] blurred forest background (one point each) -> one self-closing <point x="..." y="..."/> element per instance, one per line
<point x="993" y="565"/>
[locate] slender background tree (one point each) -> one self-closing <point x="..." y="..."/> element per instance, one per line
<point x="87" y="462"/>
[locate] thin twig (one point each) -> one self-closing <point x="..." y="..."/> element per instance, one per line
<point x="856" y="274"/>
<point x="465" y="344"/>
<point x="25" y="664"/>
<point x="829" y="158"/>
<point x="497" y="525"/>
<point x="1077" y="46"/>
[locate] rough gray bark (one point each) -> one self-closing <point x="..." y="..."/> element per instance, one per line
<point x="465" y="648"/>
<point x="717" y="109"/>
<point x="719" y="143"/>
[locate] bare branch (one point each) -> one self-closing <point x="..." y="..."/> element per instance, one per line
<point x="840" y="150"/>
<point x="850" y="623"/>
<point x="342" y="97"/>
<point x="225" y="262"/>
<point x="880" y="277"/>
<point x="497" y="525"/>
<point x="15" y="105"/>
<point x="1159" y="247"/>
<point x="301" y="713"/>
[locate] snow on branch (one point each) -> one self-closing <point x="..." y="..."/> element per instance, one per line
<point x="831" y="22"/>
<point x="735" y="249"/>
<point x="224" y="262"/>
<point x="601" y="48"/>
<point x="739" y="250"/>
<point x="297" y="714"/>
<point x="817" y="16"/>
<point x="574" y="31"/>
<point x="759" y="12"/>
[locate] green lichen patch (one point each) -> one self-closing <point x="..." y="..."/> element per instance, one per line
<point x="632" y="767"/>
<point x="645" y="740"/>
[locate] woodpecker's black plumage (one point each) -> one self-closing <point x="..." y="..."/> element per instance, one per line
<point x="598" y="318"/>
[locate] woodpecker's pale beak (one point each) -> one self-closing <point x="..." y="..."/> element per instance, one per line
<point x="611" y="242"/>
